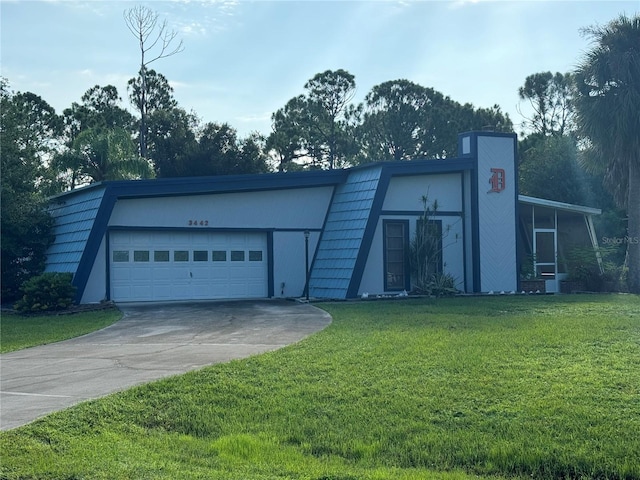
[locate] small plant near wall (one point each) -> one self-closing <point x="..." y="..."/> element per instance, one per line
<point x="427" y="275"/>
<point x="49" y="291"/>
<point x="443" y="285"/>
<point x="527" y="268"/>
<point x="529" y="281"/>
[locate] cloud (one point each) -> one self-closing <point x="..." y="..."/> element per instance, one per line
<point x="191" y="28"/>
<point x="463" y="3"/>
<point x="174" y="84"/>
<point x="254" y="117"/>
<point x="213" y="16"/>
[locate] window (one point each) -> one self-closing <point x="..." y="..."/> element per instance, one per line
<point x="200" y="255"/>
<point x="237" y="255"/>
<point x="219" y="256"/>
<point x="141" y="255"/>
<point x="120" y="256"/>
<point x="255" y="255"/>
<point x="161" y="256"/>
<point x="181" y="256"/>
<point x="396" y="243"/>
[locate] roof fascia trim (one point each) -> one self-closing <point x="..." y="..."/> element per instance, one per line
<point x="569" y="207"/>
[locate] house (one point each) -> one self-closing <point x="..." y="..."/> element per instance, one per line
<point x="339" y="233"/>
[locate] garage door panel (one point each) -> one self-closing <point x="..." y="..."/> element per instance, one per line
<point x="120" y="292"/>
<point x="253" y="290"/>
<point x="141" y="291"/>
<point x="162" y="292"/>
<point x="187" y="265"/>
<point x="219" y="274"/>
<point x="120" y="274"/>
<point x="163" y="274"/>
<point x="138" y="274"/>
<point x="237" y="290"/>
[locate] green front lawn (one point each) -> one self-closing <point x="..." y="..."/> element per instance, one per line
<point x="513" y="387"/>
<point x="20" y="331"/>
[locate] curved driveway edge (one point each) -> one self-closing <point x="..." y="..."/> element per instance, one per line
<point x="150" y="342"/>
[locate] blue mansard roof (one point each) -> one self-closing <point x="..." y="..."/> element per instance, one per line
<point x="343" y="233"/>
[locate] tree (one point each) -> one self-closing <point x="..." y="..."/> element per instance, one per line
<point x="550" y="96"/>
<point x="219" y="152"/>
<point x="28" y="127"/>
<point x="607" y="105"/>
<point x="288" y="132"/>
<point x="253" y="156"/>
<point x="100" y="108"/>
<point x="154" y="40"/>
<point x="549" y="166"/>
<point x="99" y="111"/>
<point x="486" y="118"/>
<point x="329" y="94"/>
<point x="398" y="120"/>
<point x="38" y="124"/>
<point x="402" y="120"/>
<point x="550" y="169"/>
<point x="149" y="92"/>
<point x="314" y="126"/>
<point x="171" y="141"/>
<point x="156" y="95"/>
<point x="104" y="154"/>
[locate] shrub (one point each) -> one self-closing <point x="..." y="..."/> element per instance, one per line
<point x="443" y="285"/>
<point x="582" y="266"/>
<point x="49" y="291"/>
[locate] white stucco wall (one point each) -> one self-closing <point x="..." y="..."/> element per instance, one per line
<point x="96" y="289"/>
<point x="289" y="262"/>
<point x="405" y="193"/>
<point x="295" y="208"/>
<point x="497" y="215"/>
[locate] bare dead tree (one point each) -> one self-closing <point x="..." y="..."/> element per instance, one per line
<point x="153" y="36"/>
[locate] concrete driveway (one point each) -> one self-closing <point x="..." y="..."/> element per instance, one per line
<point x="151" y="341"/>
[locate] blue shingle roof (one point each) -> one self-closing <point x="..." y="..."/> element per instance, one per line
<point x="336" y="256"/>
<point x="74" y="218"/>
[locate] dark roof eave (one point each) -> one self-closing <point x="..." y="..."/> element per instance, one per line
<point x="179" y="186"/>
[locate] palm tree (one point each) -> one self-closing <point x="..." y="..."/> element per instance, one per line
<point x="103" y="154"/>
<point x="608" y="115"/>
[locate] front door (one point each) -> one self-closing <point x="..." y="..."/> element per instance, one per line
<point x="545" y="255"/>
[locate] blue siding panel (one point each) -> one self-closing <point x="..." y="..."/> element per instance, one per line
<point x="74" y="216"/>
<point x="341" y="239"/>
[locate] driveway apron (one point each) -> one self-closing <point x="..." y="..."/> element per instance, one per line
<point x="151" y="341"/>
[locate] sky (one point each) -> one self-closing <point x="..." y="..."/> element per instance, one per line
<point x="243" y="60"/>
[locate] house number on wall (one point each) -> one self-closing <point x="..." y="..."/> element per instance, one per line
<point x="198" y="223"/>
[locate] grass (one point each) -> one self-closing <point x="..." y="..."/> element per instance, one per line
<point x="19" y="331"/>
<point x="502" y="387"/>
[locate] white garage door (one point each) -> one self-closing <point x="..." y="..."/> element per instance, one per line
<point x="156" y="266"/>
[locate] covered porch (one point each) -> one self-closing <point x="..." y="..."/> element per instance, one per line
<point x="548" y="232"/>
